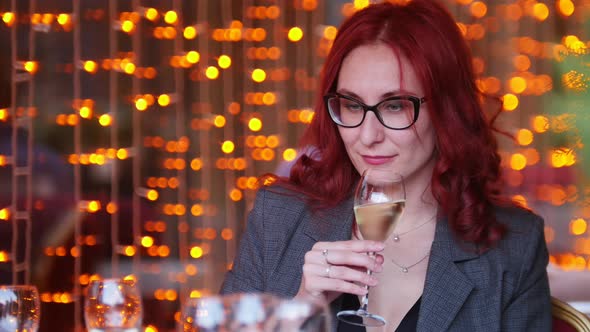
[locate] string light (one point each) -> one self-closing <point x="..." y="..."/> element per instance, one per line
<point x="267" y="96"/>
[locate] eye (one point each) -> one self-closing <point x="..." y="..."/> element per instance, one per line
<point x="351" y="106"/>
<point x="392" y="106"/>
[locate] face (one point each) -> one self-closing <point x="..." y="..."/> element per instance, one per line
<point x="370" y="74"/>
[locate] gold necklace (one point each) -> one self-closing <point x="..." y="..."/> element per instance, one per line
<point x="396" y="236"/>
<point x="406" y="268"/>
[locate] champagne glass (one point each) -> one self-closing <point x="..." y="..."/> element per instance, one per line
<point x="242" y="312"/>
<point x="19" y="308"/>
<point x="378" y="204"/>
<point x="113" y="305"/>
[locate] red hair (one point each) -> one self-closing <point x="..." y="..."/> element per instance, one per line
<point x="466" y="180"/>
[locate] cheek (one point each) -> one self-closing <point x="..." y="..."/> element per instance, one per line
<point x="347" y="136"/>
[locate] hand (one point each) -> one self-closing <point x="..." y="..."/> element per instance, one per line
<point x="332" y="268"/>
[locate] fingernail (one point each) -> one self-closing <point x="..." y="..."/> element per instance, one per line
<point x="379" y="246"/>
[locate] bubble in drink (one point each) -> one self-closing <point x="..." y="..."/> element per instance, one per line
<point x="378" y="220"/>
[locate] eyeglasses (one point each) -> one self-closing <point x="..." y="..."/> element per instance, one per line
<point x="398" y="112"/>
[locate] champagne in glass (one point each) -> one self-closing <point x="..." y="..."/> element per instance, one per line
<point x="376" y="221"/>
<point x="379" y="202"/>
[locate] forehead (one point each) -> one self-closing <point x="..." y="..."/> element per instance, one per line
<point x="373" y="70"/>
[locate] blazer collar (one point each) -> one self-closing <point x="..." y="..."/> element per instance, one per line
<point x="446" y="287"/>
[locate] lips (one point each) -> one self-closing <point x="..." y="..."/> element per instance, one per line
<point x="377" y="160"/>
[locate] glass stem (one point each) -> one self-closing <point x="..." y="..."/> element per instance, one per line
<point x="365" y="300"/>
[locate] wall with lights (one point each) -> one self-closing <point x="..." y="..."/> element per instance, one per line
<point x="134" y="131"/>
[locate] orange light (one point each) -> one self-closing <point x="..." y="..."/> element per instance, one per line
<point x="517" y="161"/>
<point x="517" y="84"/>
<point x="4" y="214"/>
<point x="295" y="34"/>
<point x="170" y="17"/>
<point x="565" y="7"/>
<point x="190" y="32"/>
<point x="228" y="147"/>
<point x="540" y="124"/>
<point x="224" y="61"/>
<point x="127" y="26"/>
<point x="308" y="5"/>
<point x="540" y="11"/>
<point x="196" y="252"/>
<point x="578" y="226"/>
<point x="141" y="104"/>
<point x="152" y="195"/>
<point x="289" y="154"/>
<point x="522" y="62"/>
<point x="164" y="100"/>
<point x="151" y="14"/>
<point x="258" y="75"/>
<point x="360" y="4"/>
<point x="193" y="57"/>
<point x="330" y="32"/>
<point x="219" y="121"/>
<point x="4" y="256"/>
<point x="147" y="241"/>
<point x="510" y="102"/>
<point x="122" y="154"/>
<point x="212" y="72"/>
<point x="90" y="66"/>
<point x="85" y="112"/>
<point x="129" y="251"/>
<point x="478" y="9"/>
<point x="235" y="195"/>
<point x="562" y="157"/>
<point x="196" y="164"/>
<point x="163" y="251"/>
<point x="524" y="137"/>
<point x="255" y="124"/>
<point x="3" y="114"/>
<point x="93" y="206"/>
<point x="105" y="120"/>
<point x="31" y="66"/>
<point x="8" y="18"/>
<point x="63" y="19"/>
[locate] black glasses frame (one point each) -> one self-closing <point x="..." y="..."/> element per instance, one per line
<point x="416" y="101"/>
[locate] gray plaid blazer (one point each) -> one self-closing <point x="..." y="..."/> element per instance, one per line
<point x="504" y="289"/>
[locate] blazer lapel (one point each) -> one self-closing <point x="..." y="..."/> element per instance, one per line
<point x="446" y="288"/>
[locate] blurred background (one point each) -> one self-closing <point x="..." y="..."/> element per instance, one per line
<point x="132" y="133"/>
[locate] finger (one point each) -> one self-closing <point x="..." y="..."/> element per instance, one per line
<point x="361" y="246"/>
<point x="352" y="275"/>
<point x="322" y="285"/>
<point x="340" y="257"/>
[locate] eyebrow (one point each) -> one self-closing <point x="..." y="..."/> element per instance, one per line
<point x="383" y="96"/>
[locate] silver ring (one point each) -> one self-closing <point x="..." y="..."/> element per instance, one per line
<point x="328" y="270"/>
<point x="325" y="254"/>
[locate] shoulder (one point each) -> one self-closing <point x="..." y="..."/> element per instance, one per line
<point x="523" y="247"/>
<point x="281" y="198"/>
<point x="521" y="224"/>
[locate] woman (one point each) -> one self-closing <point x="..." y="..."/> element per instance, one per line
<point x="463" y="257"/>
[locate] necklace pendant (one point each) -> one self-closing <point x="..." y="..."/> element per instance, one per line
<point x="395" y="238"/>
<point x="404" y="269"/>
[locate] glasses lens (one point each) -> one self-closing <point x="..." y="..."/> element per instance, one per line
<point x="397" y="113"/>
<point x="345" y="111"/>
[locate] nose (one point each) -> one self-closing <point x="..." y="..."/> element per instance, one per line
<point x="371" y="130"/>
